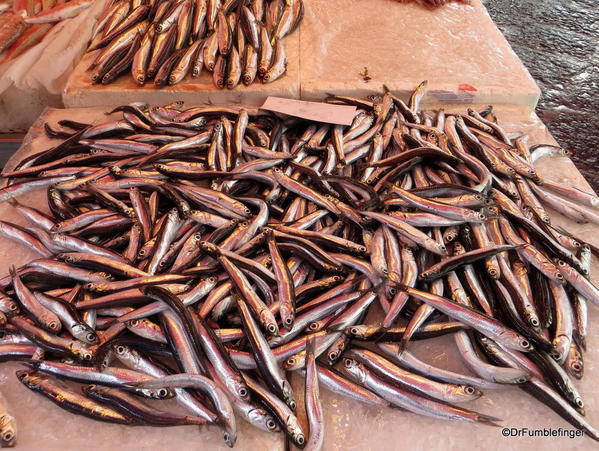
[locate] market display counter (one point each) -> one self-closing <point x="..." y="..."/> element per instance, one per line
<point x="353" y="48"/>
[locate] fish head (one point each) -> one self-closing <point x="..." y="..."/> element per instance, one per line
<point x="561" y="347"/>
<point x="125" y="354"/>
<point x="355" y="370"/>
<point x="8" y="306"/>
<point x="575" y="362"/>
<point x="230" y="438"/>
<point x="8" y="431"/>
<point x="288" y="395"/>
<point x="83" y="332"/>
<point x="82" y="351"/>
<point x="469" y="391"/>
<point x="359" y="331"/>
<point x="52" y="323"/>
<point x="295" y="431"/>
<point x="295" y="362"/>
<point x="261" y="419"/>
<point x="238" y="386"/>
<point x="269" y="322"/>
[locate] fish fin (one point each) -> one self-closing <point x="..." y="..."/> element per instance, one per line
<point x="402" y="345"/>
<point x="487" y="419"/>
<point x="311" y="346"/>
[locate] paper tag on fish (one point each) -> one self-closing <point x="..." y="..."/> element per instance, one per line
<point x="314" y="111"/>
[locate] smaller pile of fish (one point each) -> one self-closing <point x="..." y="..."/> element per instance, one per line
<point x="164" y="40"/>
<point x="26" y="23"/>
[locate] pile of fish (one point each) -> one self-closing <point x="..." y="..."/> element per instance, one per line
<point x="236" y="40"/>
<point x="24" y="24"/>
<point x="201" y="253"/>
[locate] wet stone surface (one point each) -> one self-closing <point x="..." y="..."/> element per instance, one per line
<point x="559" y="44"/>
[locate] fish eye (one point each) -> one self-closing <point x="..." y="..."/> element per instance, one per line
<point x="288" y="321"/>
<point x="134" y="323"/>
<point x="271" y="424"/>
<point x="300" y="439"/>
<point x="291" y="361"/>
<point x="354" y="331"/>
<point x="576" y="366"/>
<point x="392" y="291"/>
<point x="470" y="390"/>
<point x="87" y="356"/>
<point x="162" y="393"/>
<point x="313" y="326"/>
<point x="333" y="355"/>
<point x="120" y="349"/>
<point x="243" y="392"/>
<point x="91" y="337"/>
<point x="521" y="380"/>
<point x="53" y="325"/>
<point x="348" y="363"/>
<point x="13" y="307"/>
<point x="272" y="328"/>
<point x="579" y="403"/>
<point x="292" y="405"/>
<point x="534" y="322"/>
<point x="8" y="436"/>
<point x="525" y="343"/>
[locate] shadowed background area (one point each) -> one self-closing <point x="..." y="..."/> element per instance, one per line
<point x="558" y="41"/>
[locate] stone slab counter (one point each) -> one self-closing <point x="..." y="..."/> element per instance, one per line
<point x="352" y="48"/>
<point x="349" y="426"/>
<point x="79" y="91"/>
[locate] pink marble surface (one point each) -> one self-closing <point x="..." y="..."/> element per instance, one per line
<point x="349" y="426"/>
<point x="457" y="48"/>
